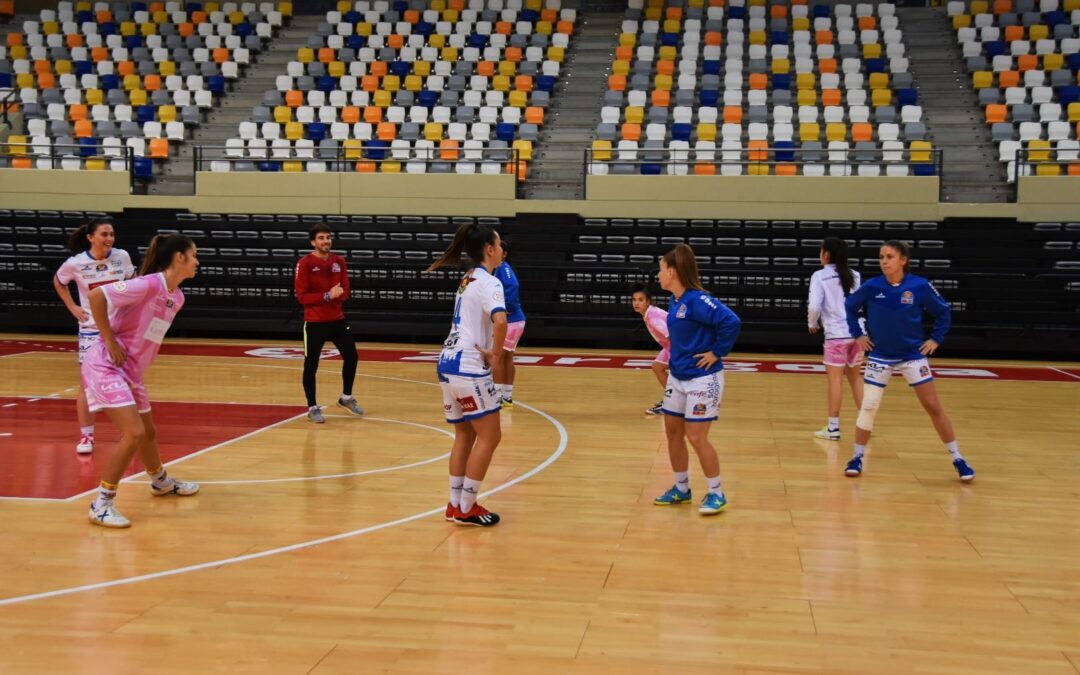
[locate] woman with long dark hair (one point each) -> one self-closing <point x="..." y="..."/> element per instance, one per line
<point x="133" y="317"/>
<point x="471" y="400"/>
<point x="702" y="330"/>
<point x="895" y="303"/>
<point x="95" y="261"/>
<point x="828" y="288"/>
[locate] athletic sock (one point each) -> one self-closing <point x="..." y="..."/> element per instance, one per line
<point x="954" y="449"/>
<point x="508" y="391"/>
<point x="470" y="490"/>
<point x="87" y="431"/>
<point x="159" y="478"/>
<point x="682" y="481"/>
<point x="860" y="450"/>
<point x="834" y="424"/>
<point x="714" y="485"/>
<point x="106" y="494"/>
<point x="456" y="483"/>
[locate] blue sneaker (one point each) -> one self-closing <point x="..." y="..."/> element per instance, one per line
<point x="712" y="504"/>
<point x="854" y="467"/>
<point x="965" y="471"/>
<point x="673" y="496"/>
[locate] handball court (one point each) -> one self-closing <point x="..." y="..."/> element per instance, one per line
<point x="322" y="548"/>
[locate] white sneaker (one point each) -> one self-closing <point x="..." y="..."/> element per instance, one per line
<point x="175" y="487"/>
<point x="107" y="516"/>
<point x="85" y="445"/>
<point x="828" y="434"/>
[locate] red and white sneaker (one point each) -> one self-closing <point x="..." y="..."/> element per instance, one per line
<point x="477" y="516"/>
<point x="452" y="512"/>
<point x="85" y="445"/>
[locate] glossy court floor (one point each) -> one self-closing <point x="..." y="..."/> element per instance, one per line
<point x="322" y="549"/>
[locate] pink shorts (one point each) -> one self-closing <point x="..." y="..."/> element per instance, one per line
<point x="664" y="356"/>
<point x="842" y="352"/>
<point x="514" y="331"/>
<point x="110" y="387"/>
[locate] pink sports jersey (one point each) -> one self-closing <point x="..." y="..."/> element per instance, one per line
<point x="656" y="322"/>
<point x="140" y="313"/>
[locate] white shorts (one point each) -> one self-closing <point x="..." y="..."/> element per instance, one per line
<point x="514" y="331"/>
<point x="878" y="371"/>
<point x="86" y="341"/>
<point x="468" y="398"/>
<point x="696" y="400"/>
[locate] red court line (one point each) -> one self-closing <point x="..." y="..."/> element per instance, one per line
<point x="39" y="459"/>
<point x="973" y="371"/>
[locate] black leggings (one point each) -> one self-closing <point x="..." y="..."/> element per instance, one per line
<point x="315" y="335"/>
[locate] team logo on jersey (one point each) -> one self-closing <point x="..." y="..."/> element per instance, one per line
<point x="85" y="268"/>
<point x="335" y="268"/>
<point x="681" y="313"/>
<point x="101" y="267"/>
<point x="879" y="296"/>
<point x="907" y="298"/>
<point x="119" y="286"/>
<point x="468" y="404"/>
<point x="924" y="371"/>
<point x="699" y="408"/>
<point x="316" y="269"/>
<point x="169" y="304"/>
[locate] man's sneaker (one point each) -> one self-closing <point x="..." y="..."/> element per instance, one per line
<point x="349" y="404"/>
<point x="175" y="487"/>
<point x="315" y="415"/>
<point x="657" y="409"/>
<point x="107" y="516"/>
<point x="85" y="445"/>
<point x="477" y="516"/>
<point x="673" y="496"/>
<point x="965" y="471"/>
<point x="712" y="504"/>
<point x="452" y="512"/>
<point x="827" y="434"/>
<point x="854" y="467"/>
<point x="508" y="403"/>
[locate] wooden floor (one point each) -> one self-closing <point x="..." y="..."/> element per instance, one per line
<point x="905" y="570"/>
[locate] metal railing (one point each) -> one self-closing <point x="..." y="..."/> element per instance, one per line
<point x="7" y="100"/>
<point x="347" y="159"/>
<point x="1024" y="165"/>
<point x="54" y="157"/>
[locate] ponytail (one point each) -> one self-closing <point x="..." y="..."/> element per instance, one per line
<point x="162" y="251"/>
<point x="838" y="256"/>
<point x="79" y="240"/>
<point x="683" y="260"/>
<point x="469" y="238"/>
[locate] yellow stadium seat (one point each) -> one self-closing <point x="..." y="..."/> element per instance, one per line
<point x="879" y="80"/>
<point x="635" y="114"/>
<point x="138" y="97"/>
<point x="282" y="114"/>
<point x="921" y="152"/>
<point x="14" y="144"/>
<point x="524" y="148"/>
<point x="1039" y="150"/>
<point x="879" y="97"/>
<point x="1041" y="170"/>
<point x="806" y="97"/>
<point x="518" y="99"/>
<point x="414" y="83"/>
<point x="806" y="81"/>
<point x="809" y="131"/>
<point x="601" y="150"/>
<point x="1053" y="62"/>
<point x="706" y="131"/>
<point x="294" y="131"/>
<point x="95" y="164"/>
<point x="557" y="54"/>
<point x="433" y="131"/>
<point x="835" y="131"/>
<point x="981" y="79"/>
<point x="390" y="167"/>
<point x="961" y="21"/>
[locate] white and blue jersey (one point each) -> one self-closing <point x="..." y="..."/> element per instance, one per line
<point x="511" y="290"/>
<point x="894" y="316"/>
<point x="697" y="323"/>
<point x="479" y="298"/>
<point x="88" y="274"/>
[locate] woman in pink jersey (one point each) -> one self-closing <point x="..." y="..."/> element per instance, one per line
<point x="94" y="262"/>
<point x="133" y="317"/>
<point x="656" y="321"/>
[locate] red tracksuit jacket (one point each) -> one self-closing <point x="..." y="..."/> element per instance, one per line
<point x="314" y="278"/>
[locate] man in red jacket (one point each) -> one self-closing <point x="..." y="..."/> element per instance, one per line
<point x="322" y="286"/>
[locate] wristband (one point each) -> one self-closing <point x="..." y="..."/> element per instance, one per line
<point x="326" y="296"/>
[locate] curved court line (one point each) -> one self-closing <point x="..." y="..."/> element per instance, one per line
<point x="328" y="476"/>
<point x="563" y="439"/>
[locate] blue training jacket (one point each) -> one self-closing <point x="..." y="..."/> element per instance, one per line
<point x="894" y="316"/>
<point x="697" y="322"/>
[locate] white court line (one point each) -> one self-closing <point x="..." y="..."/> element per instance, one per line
<point x="563" y="439"/>
<point x="1064" y="372"/>
<point x="351" y="474"/>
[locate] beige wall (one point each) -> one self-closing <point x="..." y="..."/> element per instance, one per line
<point x="736" y="197"/>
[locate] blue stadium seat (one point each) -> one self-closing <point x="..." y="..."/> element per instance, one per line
<point x="144" y="168"/>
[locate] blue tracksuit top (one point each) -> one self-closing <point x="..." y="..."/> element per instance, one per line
<point x="894" y="316"/>
<point x="697" y="322"/>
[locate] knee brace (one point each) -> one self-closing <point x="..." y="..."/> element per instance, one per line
<point x="871" y="401"/>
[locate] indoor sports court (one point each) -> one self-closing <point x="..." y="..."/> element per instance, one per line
<point x="701" y="219"/>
